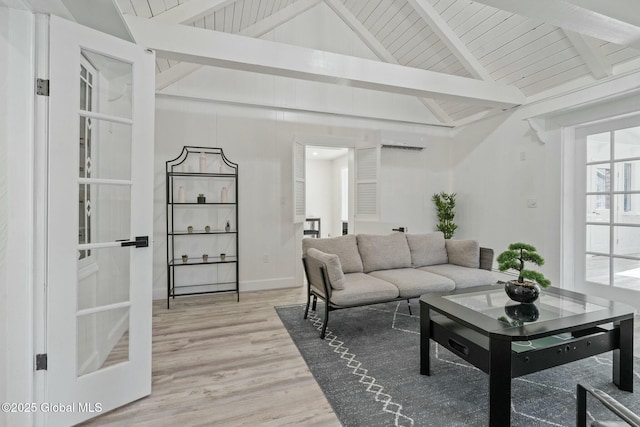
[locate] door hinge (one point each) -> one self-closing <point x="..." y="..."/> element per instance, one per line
<point x="42" y="87"/>
<point x="41" y="362"/>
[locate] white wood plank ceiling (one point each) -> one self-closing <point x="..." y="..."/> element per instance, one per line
<point x="481" y="40"/>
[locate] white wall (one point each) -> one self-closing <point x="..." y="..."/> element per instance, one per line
<point x="260" y="141"/>
<point x="501" y="163"/>
<point x="16" y="211"/>
<point x="337" y="165"/>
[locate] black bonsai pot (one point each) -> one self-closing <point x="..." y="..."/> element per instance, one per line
<point x="526" y="292"/>
<point x="201" y="198"/>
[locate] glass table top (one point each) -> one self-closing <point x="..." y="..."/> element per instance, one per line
<point x="497" y="305"/>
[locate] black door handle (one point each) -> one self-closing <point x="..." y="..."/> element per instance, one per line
<point x="400" y="229"/>
<point x="140" y="242"/>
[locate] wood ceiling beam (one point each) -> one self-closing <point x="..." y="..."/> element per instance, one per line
<point x="196" y="45"/>
<point x="441" y="29"/>
<point x="571" y="15"/>
<point x="258" y="29"/>
<point x="381" y="52"/>
<point x="591" y="53"/>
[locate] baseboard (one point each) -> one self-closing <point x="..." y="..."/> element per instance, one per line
<point x="246" y="286"/>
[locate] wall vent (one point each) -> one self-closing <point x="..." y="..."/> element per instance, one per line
<point x="402" y="147"/>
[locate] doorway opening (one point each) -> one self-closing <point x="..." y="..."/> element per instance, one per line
<point x="328" y="192"/>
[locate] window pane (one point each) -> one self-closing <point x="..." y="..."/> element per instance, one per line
<point x="626" y="240"/>
<point x="626" y="273"/>
<point x="627" y="209"/>
<point x="598" y="179"/>
<point x="627" y="143"/>
<point x="596" y="209"/>
<point x="627" y="176"/>
<point x="598" y="147"/>
<point x="597" y="269"/>
<point x="597" y="238"/>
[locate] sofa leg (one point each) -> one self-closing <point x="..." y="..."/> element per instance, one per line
<point x="409" y="305"/>
<point x="326" y="320"/>
<point x="306" y="310"/>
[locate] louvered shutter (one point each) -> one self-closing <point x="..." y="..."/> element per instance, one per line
<point x="367" y="185"/>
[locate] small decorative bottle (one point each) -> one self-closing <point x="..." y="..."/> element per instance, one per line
<point x="203" y="163"/>
<point x="224" y="195"/>
<point x="181" y="194"/>
<point x="227" y="227"/>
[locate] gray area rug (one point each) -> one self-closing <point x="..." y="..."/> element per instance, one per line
<point x="369" y="368"/>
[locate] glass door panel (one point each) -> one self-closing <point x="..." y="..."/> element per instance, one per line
<point x="103" y="339"/>
<point x="104" y="208"/>
<point x="106" y="280"/>
<point x="612" y="232"/>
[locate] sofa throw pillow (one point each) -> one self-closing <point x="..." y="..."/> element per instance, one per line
<point x="332" y="264"/>
<point x="465" y="253"/>
<point x="345" y="247"/>
<point x="384" y="252"/>
<point x="427" y="249"/>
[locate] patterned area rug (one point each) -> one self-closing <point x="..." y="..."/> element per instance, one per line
<point x="368" y="367"/>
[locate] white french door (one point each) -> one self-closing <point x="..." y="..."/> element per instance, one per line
<point x="100" y="200"/>
<point x="609" y="190"/>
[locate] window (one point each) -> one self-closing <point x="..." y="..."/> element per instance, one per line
<point x="612" y="228"/>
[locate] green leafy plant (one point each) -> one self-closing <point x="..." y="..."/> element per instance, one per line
<point x="516" y="256"/>
<point x="445" y="205"/>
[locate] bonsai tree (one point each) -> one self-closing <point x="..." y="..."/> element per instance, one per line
<point x="515" y="258"/>
<point x="445" y="205"/>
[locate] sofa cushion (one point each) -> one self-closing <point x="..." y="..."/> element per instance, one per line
<point x="465" y="253"/>
<point x="332" y="265"/>
<point x="412" y="283"/>
<point x="427" y="249"/>
<point x="362" y="288"/>
<point x="345" y="247"/>
<point x="383" y="252"/>
<point x="463" y="277"/>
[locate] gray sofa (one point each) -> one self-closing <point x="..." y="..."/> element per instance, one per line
<point x="352" y="271"/>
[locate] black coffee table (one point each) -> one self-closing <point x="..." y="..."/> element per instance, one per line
<point x="506" y="340"/>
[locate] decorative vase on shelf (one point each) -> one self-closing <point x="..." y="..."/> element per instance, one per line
<point x="181" y="194"/>
<point x="203" y="163"/>
<point x="205" y="257"/>
<point x="227" y="227"/>
<point x="185" y="258"/>
<point x="526" y="292"/>
<point x="207" y="229"/>
<point x="223" y="257"/>
<point x="190" y="229"/>
<point x="201" y="198"/>
<point x="224" y="195"/>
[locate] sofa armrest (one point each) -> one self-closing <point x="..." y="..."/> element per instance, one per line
<point x="486" y="258"/>
<point x="317" y="276"/>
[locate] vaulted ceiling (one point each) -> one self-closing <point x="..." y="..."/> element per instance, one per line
<point x="462" y="59"/>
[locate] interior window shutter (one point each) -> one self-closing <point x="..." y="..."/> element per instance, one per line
<point x="367" y="185"/>
<point x="299" y="183"/>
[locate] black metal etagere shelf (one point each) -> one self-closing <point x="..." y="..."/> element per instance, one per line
<point x="202" y="235"/>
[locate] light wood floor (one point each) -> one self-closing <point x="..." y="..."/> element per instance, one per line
<point x="217" y="362"/>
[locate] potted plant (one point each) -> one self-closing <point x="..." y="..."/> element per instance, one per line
<point x="521" y="290"/>
<point x="201" y="198"/>
<point x="445" y="205"/>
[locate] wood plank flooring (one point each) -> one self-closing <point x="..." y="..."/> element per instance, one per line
<point x="217" y="362"/>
